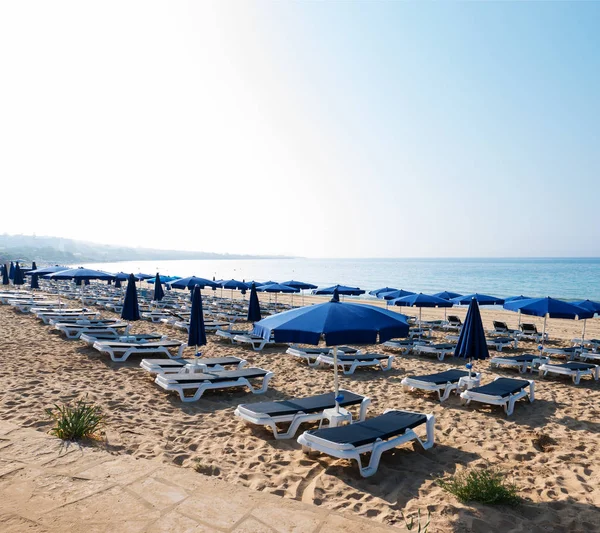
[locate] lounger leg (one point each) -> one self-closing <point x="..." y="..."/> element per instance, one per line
<point x="179" y="352"/>
<point x="447" y="391"/>
<point x="199" y="392"/>
<point x="363" y="409"/>
<point x="264" y="386"/>
<point x="577" y="378"/>
<point x="531" y="392"/>
<point x="509" y="406"/>
<point x="596" y="373"/>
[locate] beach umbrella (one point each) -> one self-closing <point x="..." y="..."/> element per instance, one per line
<point x="447" y="295"/>
<point x="131" y="309"/>
<point x="336" y="323"/>
<point x="253" y="305"/>
<point x="190" y="282"/>
<point x="591" y="306"/>
<point x="11" y="272"/>
<point x="197" y="331"/>
<point x="377" y="292"/>
<point x="18" y="275"/>
<point x="392" y="295"/>
<point x="159" y="294"/>
<point x="5" y="280"/>
<point x="302" y="285"/>
<point x="472" y="344"/>
<point x="548" y="308"/>
<point x="43" y="272"/>
<point x="117" y="283"/>
<point x="140" y="277"/>
<point x="516" y="299"/>
<point x="34" y="283"/>
<point x="33" y="266"/>
<point x="233" y="284"/>
<point x="482" y="299"/>
<point x="122" y="276"/>
<point x="421" y="300"/>
<point x="340" y="289"/>
<point x="277" y="288"/>
<point x="81" y="274"/>
<point x="261" y="283"/>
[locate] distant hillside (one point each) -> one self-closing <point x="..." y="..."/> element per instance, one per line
<point x="59" y="250"/>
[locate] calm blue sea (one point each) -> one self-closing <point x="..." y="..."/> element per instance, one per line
<point x="570" y="278"/>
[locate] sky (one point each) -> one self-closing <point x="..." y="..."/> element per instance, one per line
<point x="314" y="129"/>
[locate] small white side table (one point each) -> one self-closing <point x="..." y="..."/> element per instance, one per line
<point x="336" y="418"/>
<point x="468" y="383"/>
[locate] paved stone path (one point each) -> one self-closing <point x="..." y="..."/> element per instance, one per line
<point x="49" y="486"/>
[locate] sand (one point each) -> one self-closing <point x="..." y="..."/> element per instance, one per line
<point x="559" y="482"/>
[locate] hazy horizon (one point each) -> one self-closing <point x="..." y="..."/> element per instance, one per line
<point x="305" y="129"/>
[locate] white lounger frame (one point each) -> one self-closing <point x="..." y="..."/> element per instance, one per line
<point x="443" y="389"/>
<point x="426" y="350"/>
<point x="257" y="343"/>
<point x="188" y="366"/>
<point x="125" y="352"/>
<point x="74" y="331"/>
<point x="560" y="351"/>
<point x="507" y="402"/>
<point x="499" y="345"/>
<point x="575" y="375"/>
<point x="348" y="367"/>
<point x="523" y="366"/>
<point x="351" y="452"/>
<point x="162" y="380"/>
<point x="295" y="420"/>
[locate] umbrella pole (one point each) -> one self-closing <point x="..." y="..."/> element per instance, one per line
<point x="544" y="330"/>
<point x="583" y="332"/>
<point x="336" y="383"/>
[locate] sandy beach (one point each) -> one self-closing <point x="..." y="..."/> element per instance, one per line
<point x="559" y="482"/>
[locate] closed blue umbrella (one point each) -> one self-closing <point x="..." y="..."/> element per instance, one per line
<point x="337" y="323"/>
<point x="131" y="309"/>
<point x="340" y="289"/>
<point x="548" y="308"/>
<point x="472" y="344"/>
<point x="33" y="266"/>
<point x="11" y="272"/>
<point x="253" y="305"/>
<point x="159" y="294"/>
<point x="482" y="299"/>
<point x="197" y="331"/>
<point x="5" y="280"/>
<point x="34" y="283"/>
<point x="18" y="275"/>
<point x="117" y="283"/>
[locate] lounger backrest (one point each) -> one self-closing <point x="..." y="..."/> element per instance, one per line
<point x="528" y="328"/>
<point x="453" y="319"/>
<point x="500" y="326"/>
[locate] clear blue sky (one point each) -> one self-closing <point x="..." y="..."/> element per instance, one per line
<point x="360" y="129"/>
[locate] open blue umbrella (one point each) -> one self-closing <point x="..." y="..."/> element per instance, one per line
<point x="421" y="300"/>
<point x="299" y="284"/>
<point x="131" y="309"/>
<point x="81" y="273"/>
<point x="336" y="323"/>
<point x="516" y="298"/>
<point x="472" y="344"/>
<point x="340" y="289"/>
<point x="482" y="299"/>
<point x="5" y="280"/>
<point x="377" y="292"/>
<point x="190" y="282"/>
<point x="11" y="272"/>
<point x="122" y="276"/>
<point x="253" y="305"/>
<point x="548" y="308"/>
<point x="589" y="305"/>
<point x="159" y="294"/>
<point x="447" y="295"/>
<point x="261" y="283"/>
<point x="139" y="276"/>
<point x="398" y="293"/>
<point x="197" y="331"/>
<point x="233" y="284"/>
<point x="18" y="275"/>
<point x="276" y="288"/>
<point x="44" y="272"/>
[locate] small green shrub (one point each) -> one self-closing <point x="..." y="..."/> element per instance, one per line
<point x="487" y="485"/>
<point x="76" y="422"/>
<point x="420" y="528"/>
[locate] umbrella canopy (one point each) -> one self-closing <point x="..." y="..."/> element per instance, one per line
<point x="472" y="343"/>
<point x="11" y="272"/>
<point x="277" y="287"/>
<point x="377" y="292"/>
<point x="260" y="283"/>
<point x="139" y="276"/>
<point x="81" y="273"/>
<point x="117" y="283"/>
<point x="5" y="280"/>
<point x="131" y="310"/>
<point x="516" y="298"/>
<point x="191" y="282"/>
<point x="253" y="305"/>
<point x="197" y="332"/>
<point x="18" y="275"/>
<point x="34" y="284"/>
<point x="47" y="270"/>
<point x="548" y="307"/>
<point x="421" y="300"/>
<point x="588" y="305"/>
<point x="340" y="289"/>
<point x="159" y="294"/>
<point x="299" y="284"/>
<point x="234" y="284"/>
<point x="122" y="276"/>
<point x="399" y="293"/>
<point x="482" y="299"/>
<point x="447" y="295"/>
<point x="164" y="279"/>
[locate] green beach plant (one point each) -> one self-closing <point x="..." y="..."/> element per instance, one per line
<point x="484" y="485"/>
<point x="420" y="528"/>
<point x="76" y="422"/>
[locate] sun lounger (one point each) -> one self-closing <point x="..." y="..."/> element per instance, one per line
<point x="189" y="366"/>
<point x="569" y="353"/>
<point x="586" y="355"/>
<point x="501" y="328"/>
<point x="349" y="363"/>
<point x="442" y="382"/>
<point x="120" y="351"/>
<point x="311" y="355"/>
<point x="297" y="411"/>
<point x="257" y="342"/>
<point x="439" y="350"/>
<point x="229" y="334"/>
<point x="575" y="370"/>
<point x="502" y="342"/>
<point x="530" y="331"/>
<point x="404" y="345"/>
<point x="198" y="383"/>
<point x="92" y="337"/>
<point x="65" y="314"/>
<point x="73" y="330"/>
<point x="523" y="362"/>
<point x="374" y="435"/>
<point x="501" y="391"/>
<point x="452" y="322"/>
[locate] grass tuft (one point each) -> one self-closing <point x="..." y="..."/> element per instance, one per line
<point x="76" y="422"/>
<point x="418" y="526"/>
<point x="487" y="485"/>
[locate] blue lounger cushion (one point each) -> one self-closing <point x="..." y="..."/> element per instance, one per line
<point x="363" y="357"/>
<point x="502" y="387"/>
<point x="381" y="427"/>
<point x="449" y="376"/>
<point x="575" y="366"/>
<point x="312" y="404"/>
<point x="215" y="377"/>
<point x="442" y="346"/>
<point x="523" y="358"/>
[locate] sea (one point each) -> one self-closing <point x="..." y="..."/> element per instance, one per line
<point x="564" y="278"/>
